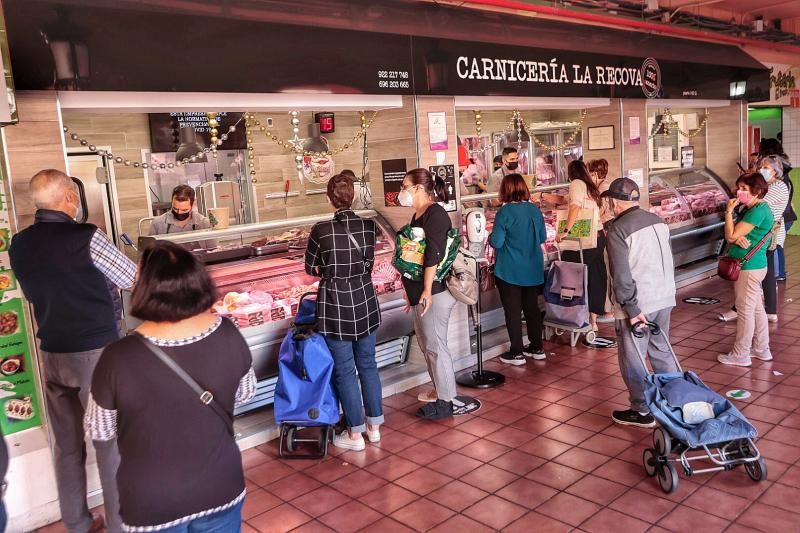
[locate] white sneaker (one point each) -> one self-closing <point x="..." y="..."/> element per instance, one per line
<point x="765" y="357"/>
<point x="730" y="359"/>
<point x="728" y="316"/>
<point x="428" y="396"/>
<point x="772" y="318"/>
<point x="343" y="440"/>
<point x="374" y="436"/>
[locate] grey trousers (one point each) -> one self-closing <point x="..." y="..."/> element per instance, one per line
<point x="653" y="346"/>
<point x="431" y="332"/>
<point x="68" y="379"/>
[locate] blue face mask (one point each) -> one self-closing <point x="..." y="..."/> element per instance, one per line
<point x="767" y="173"/>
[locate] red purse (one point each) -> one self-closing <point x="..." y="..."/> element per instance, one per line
<point x="730" y="268"/>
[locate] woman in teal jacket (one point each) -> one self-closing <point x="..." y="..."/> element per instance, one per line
<point x="517" y="238"/>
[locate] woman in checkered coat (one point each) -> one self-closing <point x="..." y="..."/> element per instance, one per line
<point x="341" y="251"/>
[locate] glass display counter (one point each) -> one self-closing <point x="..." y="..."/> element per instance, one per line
<point x="260" y="275"/>
<point x="692" y="202"/>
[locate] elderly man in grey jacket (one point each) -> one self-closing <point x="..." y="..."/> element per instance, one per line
<point x="643" y="290"/>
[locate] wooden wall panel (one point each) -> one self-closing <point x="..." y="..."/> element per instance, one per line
<point x="604" y="116"/>
<point x="727" y="134"/>
<point x="32" y="145"/>
<point x="634" y="156"/>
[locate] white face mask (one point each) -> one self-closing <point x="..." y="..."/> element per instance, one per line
<point x="405" y="198"/>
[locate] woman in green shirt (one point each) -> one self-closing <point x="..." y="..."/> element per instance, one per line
<point x="752" y="332"/>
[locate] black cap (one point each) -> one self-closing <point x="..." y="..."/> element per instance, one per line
<point x="623" y="189"/>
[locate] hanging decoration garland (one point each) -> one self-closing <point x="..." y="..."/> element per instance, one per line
<point x="296" y="144"/>
<point x="516" y="123"/>
<point x="215" y="141"/>
<point x="667" y="120"/>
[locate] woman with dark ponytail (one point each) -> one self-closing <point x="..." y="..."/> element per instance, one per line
<point x="584" y="194"/>
<point x="430" y="300"/>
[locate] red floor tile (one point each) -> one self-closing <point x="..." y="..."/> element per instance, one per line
<point x="258" y="502"/>
<point x="358" y="483"/>
<point x="489" y="478"/>
<point x="581" y="459"/>
<point x="293" y="486"/>
<point x="320" y="501"/>
<point x="766" y="518"/>
<point x="280" y="519"/>
<point x="597" y="490"/>
<point x="539" y="523"/>
<point x="545" y="448"/>
<point x="569" y="434"/>
<point x="388" y="498"/>
<point x="568" y="508"/>
<point x="267" y="473"/>
<point x="424" y="453"/>
<point x="606" y="445"/>
<point x="452" y="439"/>
<point x="643" y="506"/>
<point x="688" y="519"/>
<point x="782" y="496"/>
<point x="555" y="475"/>
<point x="518" y="462"/>
<point x="495" y="512"/>
<point x="484" y="450"/>
<point x="457" y="495"/>
<point x="392" y="467"/>
<point x="455" y="465"/>
<point x="423" y="481"/>
<point x="461" y="523"/>
<point x="422" y="514"/>
<point x="710" y="501"/>
<point x="610" y="520"/>
<point x="527" y="493"/>
<point x="350" y="517"/>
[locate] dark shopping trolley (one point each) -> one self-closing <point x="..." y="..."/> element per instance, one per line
<point x="726" y="440"/>
<point x="566" y="299"/>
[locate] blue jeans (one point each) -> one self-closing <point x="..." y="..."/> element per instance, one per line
<point x="347" y="357"/>
<point x="227" y="521"/>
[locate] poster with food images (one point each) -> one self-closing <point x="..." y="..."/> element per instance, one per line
<point x="19" y="407"/>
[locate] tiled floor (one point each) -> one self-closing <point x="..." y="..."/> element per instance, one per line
<point x="543" y="455"/>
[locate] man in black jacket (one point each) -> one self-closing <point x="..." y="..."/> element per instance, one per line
<point x="72" y="274"/>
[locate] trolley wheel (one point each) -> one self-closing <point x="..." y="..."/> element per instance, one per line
<point x="558" y="331"/>
<point x="650" y="461"/>
<point x="591" y="336"/>
<point x="662" y="442"/>
<point x="667" y="478"/>
<point x="757" y="470"/>
<point x="324" y="434"/>
<point x="291" y="435"/>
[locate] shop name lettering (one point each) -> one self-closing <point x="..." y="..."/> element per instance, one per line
<point x="485" y="68"/>
<point x="782" y="82"/>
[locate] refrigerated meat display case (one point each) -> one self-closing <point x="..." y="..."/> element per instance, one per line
<point x="260" y="275"/>
<point x="692" y="202"/>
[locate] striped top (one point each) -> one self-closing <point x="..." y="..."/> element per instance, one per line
<point x="777" y="198"/>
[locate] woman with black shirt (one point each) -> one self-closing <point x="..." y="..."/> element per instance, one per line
<point x="180" y="468"/>
<point x="430" y="300"/>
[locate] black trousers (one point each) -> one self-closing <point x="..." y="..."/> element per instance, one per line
<point x="516" y="300"/>
<point x="595" y="262"/>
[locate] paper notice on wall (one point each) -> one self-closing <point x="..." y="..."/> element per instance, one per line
<point x="437" y="130"/>
<point x="664" y="153"/>
<point x="635" y="134"/>
<point x="691" y="121"/>
<point x="637" y="175"/>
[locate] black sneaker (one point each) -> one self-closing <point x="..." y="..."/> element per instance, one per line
<point x="529" y="351"/>
<point x="633" y="418"/>
<point x="515" y="359"/>
<point x="436" y="410"/>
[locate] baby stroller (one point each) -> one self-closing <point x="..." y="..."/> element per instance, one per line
<point x="566" y="304"/>
<point x="693" y="418"/>
<point x="304" y="394"/>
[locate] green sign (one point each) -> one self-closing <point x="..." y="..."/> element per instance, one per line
<point x="19" y="408"/>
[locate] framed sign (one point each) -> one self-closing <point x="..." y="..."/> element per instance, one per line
<point x="601" y="138"/>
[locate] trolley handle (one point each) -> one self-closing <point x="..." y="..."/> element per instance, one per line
<point x="637" y="330"/>
<point x="571" y="239"/>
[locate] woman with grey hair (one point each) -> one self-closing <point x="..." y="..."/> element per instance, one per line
<point x="777" y="198"/>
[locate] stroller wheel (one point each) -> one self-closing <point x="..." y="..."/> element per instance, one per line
<point x="662" y="442"/>
<point x="291" y="435"/>
<point x="667" y="478"/>
<point x="591" y="336"/>
<point x="650" y="462"/>
<point x="558" y="331"/>
<point x="757" y="470"/>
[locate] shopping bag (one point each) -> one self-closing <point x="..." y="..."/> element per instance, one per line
<point x="584" y="228"/>
<point x="409" y="253"/>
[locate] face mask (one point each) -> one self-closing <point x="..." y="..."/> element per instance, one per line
<point x="744" y="197"/>
<point x="405" y="198"/>
<point x="767" y="173"/>
<point x="512" y="165"/>
<point x="180" y="217"/>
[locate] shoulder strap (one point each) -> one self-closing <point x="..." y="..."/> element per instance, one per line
<point x="203" y="395"/>
<point x="353" y="240"/>
<point x="756" y="248"/>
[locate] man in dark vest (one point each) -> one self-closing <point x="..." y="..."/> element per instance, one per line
<point x="72" y="274"/>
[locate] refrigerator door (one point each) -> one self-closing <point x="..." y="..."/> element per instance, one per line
<point x="84" y="168"/>
<point x="220" y="194"/>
